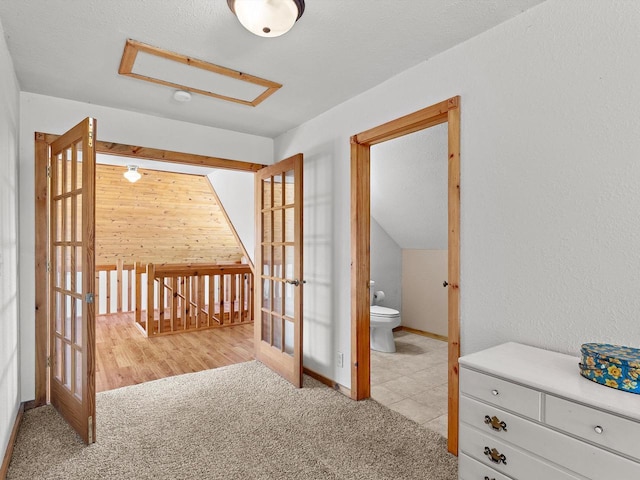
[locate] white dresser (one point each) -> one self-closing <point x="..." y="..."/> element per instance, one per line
<point x="527" y="414"/>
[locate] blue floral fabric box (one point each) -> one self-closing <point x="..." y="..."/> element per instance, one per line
<point x="612" y="365"/>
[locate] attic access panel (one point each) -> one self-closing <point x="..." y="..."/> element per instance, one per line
<point x="157" y="65"/>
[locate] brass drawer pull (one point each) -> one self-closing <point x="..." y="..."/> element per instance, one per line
<point x="495" y="423"/>
<point x="495" y="456"/>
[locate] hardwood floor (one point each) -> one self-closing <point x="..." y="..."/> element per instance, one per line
<point x="126" y="357"/>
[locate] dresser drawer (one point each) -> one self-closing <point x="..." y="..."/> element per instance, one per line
<point x="501" y="393"/>
<point x="610" y="431"/>
<point x="502" y="425"/>
<point x="519" y="464"/>
<point x="470" y="469"/>
<point x="588" y="460"/>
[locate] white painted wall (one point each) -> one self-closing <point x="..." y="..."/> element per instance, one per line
<point x="409" y="188"/>
<point x="236" y="192"/>
<point x="550" y="187"/>
<point x="9" y="324"/>
<point x="386" y="266"/>
<point x="56" y="115"/>
<point x="424" y="299"/>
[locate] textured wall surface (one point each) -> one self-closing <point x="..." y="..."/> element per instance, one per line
<point x="9" y="325"/>
<point x="424" y="299"/>
<point x="550" y="186"/>
<point x="40" y="113"/>
<point x="236" y="193"/>
<point x="386" y="266"/>
<point x="409" y="188"/>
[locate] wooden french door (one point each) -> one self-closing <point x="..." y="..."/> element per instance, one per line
<point x="71" y="265"/>
<point x="279" y="285"/>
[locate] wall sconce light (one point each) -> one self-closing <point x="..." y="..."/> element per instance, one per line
<point x="132" y="173"/>
<point x="267" y="18"/>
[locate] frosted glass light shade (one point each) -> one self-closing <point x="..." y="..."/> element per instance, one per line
<point x="132" y="173"/>
<point x="267" y="18"/>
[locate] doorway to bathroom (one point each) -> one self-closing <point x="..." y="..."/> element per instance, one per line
<point x="408" y="262"/>
<point x="446" y="113"/>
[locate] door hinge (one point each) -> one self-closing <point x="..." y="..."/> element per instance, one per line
<point x="89" y="298"/>
<point x="48" y="171"/>
<point x="48" y="267"/>
<point x="90" y="426"/>
<point x="48" y="361"/>
<point x="90" y="132"/>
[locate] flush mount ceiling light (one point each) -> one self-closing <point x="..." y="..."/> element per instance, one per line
<point x="267" y="18"/>
<point x="132" y="173"/>
<point x="181" y="96"/>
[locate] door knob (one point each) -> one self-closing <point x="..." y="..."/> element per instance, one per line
<point x="445" y="283"/>
<point x="296" y="282"/>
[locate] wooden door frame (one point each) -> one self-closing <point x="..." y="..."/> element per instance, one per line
<point x="447" y="111"/>
<point x="42" y="142"/>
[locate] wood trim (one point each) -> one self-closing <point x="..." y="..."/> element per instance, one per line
<point x="88" y="280"/>
<point x="132" y="151"/>
<point x="328" y="382"/>
<point x="299" y="260"/>
<point x="415" y="331"/>
<point x="188" y="269"/>
<point x="132" y="47"/>
<point x="453" y="121"/>
<point x="360" y="271"/>
<point x="12" y="441"/>
<point x="427" y="117"/>
<point x="446" y="111"/>
<point x="231" y="226"/>
<point x="41" y="255"/>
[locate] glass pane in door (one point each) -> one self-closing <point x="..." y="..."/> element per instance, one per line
<point x="289" y="188"/>
<point x="277" y="332"/>
<point x="266" y="260"/>
<point x="267" y="194"/>
<point x="266" y="327"/>
<point x="277" y="190"/>
<point x="267" y="235"/>
<point x="277" y="225"/>
<point x="288" y="337"/>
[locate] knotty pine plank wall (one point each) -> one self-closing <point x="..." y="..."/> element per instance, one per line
<point x="163" y="218"/>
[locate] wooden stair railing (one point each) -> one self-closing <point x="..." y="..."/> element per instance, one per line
<point x="123" y="293"/>
<point x="192" y="297"/>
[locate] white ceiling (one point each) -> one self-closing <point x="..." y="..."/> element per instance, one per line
<point x="409" y="188"/>
<point x="338" y="49"/>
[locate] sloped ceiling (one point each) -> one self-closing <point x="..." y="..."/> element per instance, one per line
<point x="409" y="188"/>
<point x="338" y="49"/>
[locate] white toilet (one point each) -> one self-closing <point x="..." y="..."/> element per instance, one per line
<point x="382" y="322"/>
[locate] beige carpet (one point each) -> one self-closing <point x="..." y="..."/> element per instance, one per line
<point x="236" y="422"/>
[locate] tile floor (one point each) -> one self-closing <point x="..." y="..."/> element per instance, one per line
<point x="413" y="380"/>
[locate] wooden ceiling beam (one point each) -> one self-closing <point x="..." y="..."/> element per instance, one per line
<point x="131" y="151"/>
